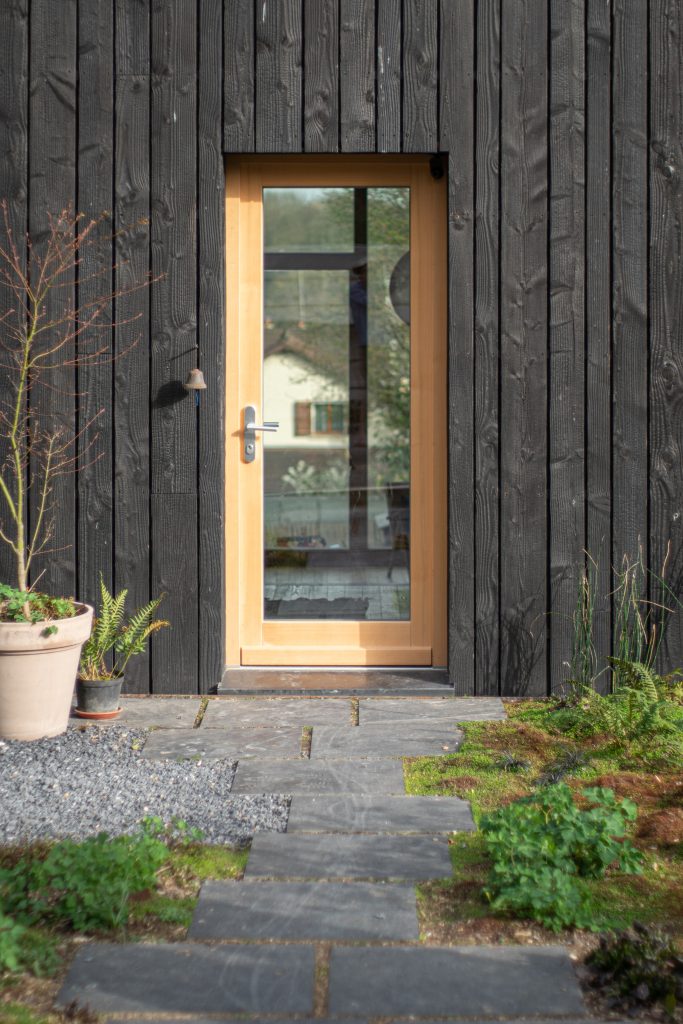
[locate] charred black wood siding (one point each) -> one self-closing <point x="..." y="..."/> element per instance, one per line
<point x="565" y="221"/>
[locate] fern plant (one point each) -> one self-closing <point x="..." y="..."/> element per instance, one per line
<point x="115" y="638"/>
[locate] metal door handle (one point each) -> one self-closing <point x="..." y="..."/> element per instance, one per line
<point x="250" y="428"/>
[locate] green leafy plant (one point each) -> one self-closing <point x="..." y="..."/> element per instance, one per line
<point x="114" y="633"/>
<point x="543" y="846"/>
<point x="84" y="886"/>
<point x="640" y="967"/>
<point x="30" y="606"/>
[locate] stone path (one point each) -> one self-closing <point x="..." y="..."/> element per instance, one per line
<point x="324" y="924"/>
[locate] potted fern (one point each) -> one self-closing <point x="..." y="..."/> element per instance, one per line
<point x="114" y="640"/>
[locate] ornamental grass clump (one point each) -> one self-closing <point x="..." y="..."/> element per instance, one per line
<point x="544" y="847"/>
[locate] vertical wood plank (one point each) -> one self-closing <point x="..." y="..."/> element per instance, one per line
<point x="278" y="76"/>
<point x="629" y="259"/>
<point x="211" y="337"/>
<point x="321" y="76"/>
<point x="599" y="316"/>
<point x="174" y="337"/>
<point x="14" y="99"/>
<point x="131" y="369"/>
<point x="174" y="571"/>
<point x="238" y="83"/>
<point x="420" y="48"/>
<point x="524" y="183"/>
<point x="132" y="37"/>
<point x="389" y="74"/>
<point x="357" y="84"/>
<point x="94" y="404"/>
<point x="52" y="187"/>
<point x="487" y="353"/>
<point x="457" y="138"/>
<point x="567" y="325"/>
<point x="666" y="305"/>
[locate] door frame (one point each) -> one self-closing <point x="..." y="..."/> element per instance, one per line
<point x="421" y="641"/>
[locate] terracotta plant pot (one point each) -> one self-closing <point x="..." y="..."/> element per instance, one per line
<point x="37" y="674"/>
<point x="98" y="698"/>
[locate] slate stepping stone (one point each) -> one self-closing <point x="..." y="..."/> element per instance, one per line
<point x="152" y="713"/>
<point x="305" y="910"/>
<point x="382" y="740"/>
<point x="231" y="744"/>
<point x="410" y="858"/>
<point x="454" y="709"/>
<point x="191" y="978"/>
<point x="225" y="712"/>
<point x="324" y="777"/>
<point x="369" y="813"/>
<point x="465" y="981"/>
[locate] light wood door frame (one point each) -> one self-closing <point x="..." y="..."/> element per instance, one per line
<point x="250" y="639"/>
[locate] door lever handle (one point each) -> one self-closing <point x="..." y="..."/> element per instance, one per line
<point x="250" y="428"/>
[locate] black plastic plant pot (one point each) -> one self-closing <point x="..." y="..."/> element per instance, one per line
<point x="98" y="698"/>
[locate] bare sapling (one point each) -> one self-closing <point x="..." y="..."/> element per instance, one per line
<point x="44" y="330"/>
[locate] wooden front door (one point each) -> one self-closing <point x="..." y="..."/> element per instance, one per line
<point x="336" y="412"/>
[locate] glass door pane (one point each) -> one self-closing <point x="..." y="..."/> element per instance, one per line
<point x="337" y="378"/>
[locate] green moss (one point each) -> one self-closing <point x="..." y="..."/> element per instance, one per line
<point x="166" y="909"/>
<point x="14" y="1013"/>
<point x="204" y="862"/>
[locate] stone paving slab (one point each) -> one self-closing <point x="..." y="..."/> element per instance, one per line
<point x="383" y="740"/>
<point x="455" y="709"/>
<point x="305" y="910"/>
<point x="231" y="744"/>
<point x="370" y="813"/>
<point x="467" y="981"/>
<point x="409" y="858"/>
<point x="225" y="711"/>
<point x="151" y="713"/>
<point x="324" y="777"/>
<point x="191" y="978"/>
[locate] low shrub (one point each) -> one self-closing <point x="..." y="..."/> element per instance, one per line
<point x="542" y="847"/>
<point x="83" y="886"/>
<point x="639" y="967"/>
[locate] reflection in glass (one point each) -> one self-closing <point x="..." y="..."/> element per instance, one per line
<point x="337" y="378"/>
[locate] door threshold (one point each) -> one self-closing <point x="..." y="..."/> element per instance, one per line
<point x="324" y="682"/>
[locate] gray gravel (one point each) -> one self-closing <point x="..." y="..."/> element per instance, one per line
<point x="94" y="780"/>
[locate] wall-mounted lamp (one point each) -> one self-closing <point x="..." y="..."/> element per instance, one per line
<point x="195" y="382"/>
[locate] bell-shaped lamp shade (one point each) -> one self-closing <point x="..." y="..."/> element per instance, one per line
<point x="195" y="381"/>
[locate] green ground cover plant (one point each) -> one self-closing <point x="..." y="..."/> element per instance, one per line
<point x="639" y="967"/>
<point x="542" y="846"/>
<point x="124" y="885"/>
<point x="501" y="762"/>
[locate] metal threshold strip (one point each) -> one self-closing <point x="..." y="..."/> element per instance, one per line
<point x="408" y="682"/>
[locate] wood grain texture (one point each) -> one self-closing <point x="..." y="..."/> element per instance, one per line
<point x="567" y="326"/>
<point x="14" y="100"/>
<point x="131" y="369"/>
<point x="175" y="651"/>
<point x="629" y="262"/>
<point x="599" y="315"/>
<point x="524" y="183"/>
<point x="487" y="352"/>
<point x="94" y="404"/>
<point x="174" y="339"/>
<point x="211" y="338"/>
<point x="666" y="304"/>
<point x="389" y="75"/>
<point x="279" y="55"/>
<point x="321" y="76"/>
<point x="132" y="19"/>
<point x="420" y="49"/>
<point x="238" y="77"/>
<point x="357" y="71"/>
<point x="457" y="138"/>
<point x="52" y="187"/>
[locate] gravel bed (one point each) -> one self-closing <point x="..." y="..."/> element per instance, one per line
<point x="94" y="780"/>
